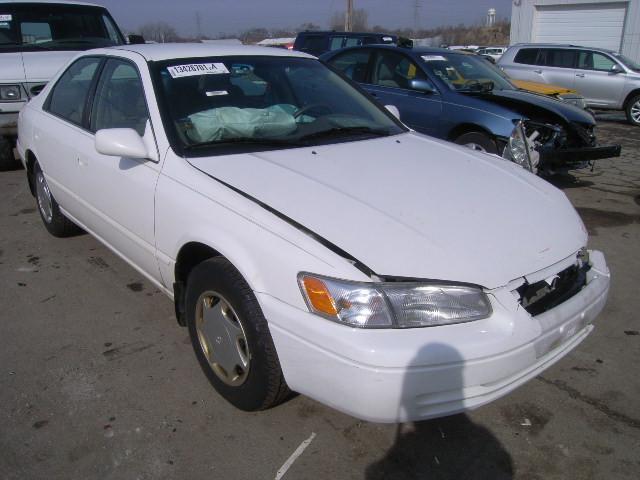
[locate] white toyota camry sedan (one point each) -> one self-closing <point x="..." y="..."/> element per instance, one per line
<point x="310" y="241"/>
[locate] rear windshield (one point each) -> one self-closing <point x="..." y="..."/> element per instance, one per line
<point x="44" y="26"/>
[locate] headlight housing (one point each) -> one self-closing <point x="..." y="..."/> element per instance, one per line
<point x="10" y="92"/>
<point x="517" y="149"/>
<point x="393" y="304"/>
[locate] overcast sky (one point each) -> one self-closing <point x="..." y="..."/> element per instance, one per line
<point x="230" y="16"/>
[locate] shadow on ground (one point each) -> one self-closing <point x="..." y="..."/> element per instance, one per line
<point x="452" y="447"/>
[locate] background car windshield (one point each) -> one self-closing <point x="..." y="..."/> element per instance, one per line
<point x="466" y="72"/>
<point x="264" y="99"/>
<point x="57" y="27"/>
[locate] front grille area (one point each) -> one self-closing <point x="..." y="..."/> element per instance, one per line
<point x="537" y="298"/>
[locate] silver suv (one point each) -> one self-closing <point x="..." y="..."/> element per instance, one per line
<point x="607" y="80"/>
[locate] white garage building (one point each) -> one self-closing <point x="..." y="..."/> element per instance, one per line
<point x="593" y="23"/>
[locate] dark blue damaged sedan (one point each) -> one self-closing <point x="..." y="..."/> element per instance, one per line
<point x="462" y="98"/>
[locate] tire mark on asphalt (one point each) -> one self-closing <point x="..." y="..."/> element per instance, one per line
<point x="597" y="404"/>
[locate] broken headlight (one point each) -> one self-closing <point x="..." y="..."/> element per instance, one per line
<point x="517" y="149"/>
<point x="393" y="304"/>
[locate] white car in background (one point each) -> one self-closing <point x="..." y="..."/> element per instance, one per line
<point x="309" y="240"/>
<point x="493" y="52"/>
<point x="37" y="38"/>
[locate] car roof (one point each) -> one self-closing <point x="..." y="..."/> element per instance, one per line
<point x="53" y="2"/>
<point x="416" y="50"/>
<point x="336" y="32"/>
<point x="561" y="45"/>
<point x="168" y="51"/>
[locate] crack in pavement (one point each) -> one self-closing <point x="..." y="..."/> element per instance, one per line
<point x="597" y="404"/>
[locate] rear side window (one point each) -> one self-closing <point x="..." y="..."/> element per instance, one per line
<point x="336" y="43"/>
<point x="557" y="57"/>
<point x="353" y="64"/>
<point x="526" y="56"/>
<point x="68" y="98"/>
<point x="314" y="43"/>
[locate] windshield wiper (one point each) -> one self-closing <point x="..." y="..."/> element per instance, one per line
<point x="340" y="131"/>
<point x="271" y="142"/>
<point x="476" y="86"/>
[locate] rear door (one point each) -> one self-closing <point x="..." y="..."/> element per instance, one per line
<point x="556" y="66"/>
<point x="389" y="82"/>
<point x="595" y="80"/>
<point x="62" y="127"/>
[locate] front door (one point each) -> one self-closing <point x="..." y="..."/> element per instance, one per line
<point x="118" y="192"/>
<point x="390" y="83"/>
<point x="596" y="81"/>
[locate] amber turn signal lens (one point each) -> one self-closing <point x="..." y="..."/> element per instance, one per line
<point x="319" y="296"/>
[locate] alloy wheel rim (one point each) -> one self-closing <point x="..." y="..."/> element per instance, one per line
<point x="635" y="112"/>
<point x="222" y="339"/>
<point x="44" y="198"/>
<point x="475" y="146"/>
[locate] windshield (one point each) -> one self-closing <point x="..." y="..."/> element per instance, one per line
<point x="466" y="73"/>
<point x="635" y="66"/>
<point x="56" y="27"/>
<point x="253" y="103"/>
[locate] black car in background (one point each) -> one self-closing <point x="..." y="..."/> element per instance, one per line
<point x="317" y="43"/>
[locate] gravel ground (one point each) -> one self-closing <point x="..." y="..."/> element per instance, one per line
<point x="98" y="381"/>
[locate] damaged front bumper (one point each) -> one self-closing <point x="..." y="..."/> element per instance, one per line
<point x="574" y="157"/>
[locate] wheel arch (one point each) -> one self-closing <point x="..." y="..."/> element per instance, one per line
<point x="189" y="256"/>
<point x="630" y="96"/>
<point x="463" y="128"/>
<point x="30" y="161"/>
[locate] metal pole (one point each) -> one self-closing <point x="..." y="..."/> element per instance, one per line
<point x="348" y="18"/>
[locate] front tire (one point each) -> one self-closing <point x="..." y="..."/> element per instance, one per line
<point x="633" y="111"/>
<point x="54" y="221"/>
<point x="480" y="142"/>
<point x="231" y="338"/>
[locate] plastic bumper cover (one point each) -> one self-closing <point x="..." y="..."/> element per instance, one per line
<point x="416" y="374"/>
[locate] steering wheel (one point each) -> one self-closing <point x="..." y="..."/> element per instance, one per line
<point x="309" y="107"/>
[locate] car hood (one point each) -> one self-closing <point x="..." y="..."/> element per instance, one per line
<point x="11" y="67"/>
<point x="536" y="106"/>
<point x="410" y="206"/>
<point x="542" y="88"/>
<point x="42" y="66"/>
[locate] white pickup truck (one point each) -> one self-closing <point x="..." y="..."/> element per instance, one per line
<point x="36" y="39"/>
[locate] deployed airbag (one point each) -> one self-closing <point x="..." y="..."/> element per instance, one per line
<point x="232" y="122"/>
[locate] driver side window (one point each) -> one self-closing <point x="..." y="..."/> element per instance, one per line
<point x="119" y="100"/>
<point x="392" y="69"/>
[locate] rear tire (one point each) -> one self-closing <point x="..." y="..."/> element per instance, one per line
<point x="54" y="221"/>
<point x="633" y="111"/>
<point x="7" y="159"/>
<point x="231" y="338"/>
<point x="480" y="142"/>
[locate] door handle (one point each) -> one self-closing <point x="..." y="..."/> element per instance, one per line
<point x="537" y="71"/>
<point x="581" y="75"/>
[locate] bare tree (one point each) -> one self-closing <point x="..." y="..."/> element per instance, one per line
<point x="160" y="32"/>
<point x="360" y="20"/>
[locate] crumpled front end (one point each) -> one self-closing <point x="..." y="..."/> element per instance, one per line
<point x="565" y="147"/>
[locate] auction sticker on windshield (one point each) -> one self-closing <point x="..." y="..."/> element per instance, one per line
<point x="193" y="69"/>
<point x="5" y="18"/>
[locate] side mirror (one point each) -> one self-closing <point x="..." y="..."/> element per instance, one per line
<point x="121" y="142"/>
<point x="615" y="68"/>
<point x="135" y="39"/>
<point x="394" y="110"/>
<point x="420" y="85"/>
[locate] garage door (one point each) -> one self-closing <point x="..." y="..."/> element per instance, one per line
<point x="591" y="25"/>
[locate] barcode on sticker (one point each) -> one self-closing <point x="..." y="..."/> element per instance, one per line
<point x="197" y="69"/>
<point x="433" y="58"/>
